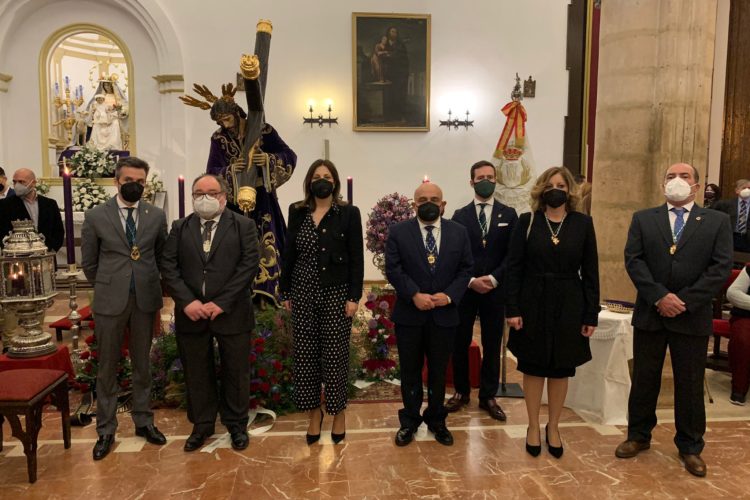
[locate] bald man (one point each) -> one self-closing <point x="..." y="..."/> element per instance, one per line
<point x="678" y="256"/>
<point x="28" y="205"/>
<point x="429" y="263"/>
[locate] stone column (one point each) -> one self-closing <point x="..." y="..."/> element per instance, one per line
<point x="653" y="106"/>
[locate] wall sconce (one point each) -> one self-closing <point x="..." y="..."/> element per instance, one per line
<point x="455" y="122"/>
<point x="320" y="120"/>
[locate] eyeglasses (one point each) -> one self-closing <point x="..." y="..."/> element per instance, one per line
<point x="198" y="196"/>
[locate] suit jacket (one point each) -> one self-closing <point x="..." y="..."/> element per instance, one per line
<point x="228" y="272"/>
<point x="489" y="259"/>
<point x="50" y="221"/>
<point x="695" y="273"/>
<point x="407" y="270"/>
<point x="106" y="261"/>
<point x="341" y="258"/>
<point x="729" y="207"/>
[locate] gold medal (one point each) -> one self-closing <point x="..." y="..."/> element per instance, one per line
<point x="672" y="249"/>
<point x="555" y="240"/>
<point x="135" y="254"/>
<point x="206" y="246"/>
<point x="484" y="243"/>
<point x="431" y="259"/>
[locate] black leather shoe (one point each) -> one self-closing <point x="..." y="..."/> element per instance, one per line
<point x="103" y="446"/>
<point x="456" y="402"/>
<point x="493" y="409"/>
<point x="313" y="438"/>
<point x="152" y="434"/>
<point x="532" y="449"/>
<point x="442" y="434"/>
<point x="240" y="439"/>
<point x="195" y="440"/>
<point x="404" y="436"/>
<point x="555" y="451"/>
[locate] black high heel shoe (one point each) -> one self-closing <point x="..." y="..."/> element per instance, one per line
<point x="313" y="438"/>
<point x="555" y="451"/>
<point x="534" y="451"/>
<point x="337" y="438"/>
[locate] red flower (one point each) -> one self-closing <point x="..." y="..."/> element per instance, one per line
<point x="124" y="352"/>
<point x="94" y="355"/>
<point x="253" y="404"/>
<point x="125" y="383"/>
<point x="88" y="368"/>
<point x="386" y="322"/>
<point x="277" y="365"/>
<point x="276" y="396"/>
<point x="391" y="340"/>
<point x="260" y="341"/>
<point x="370" y="305"/>
<point x="90" y="339"/>
<point x="253" y="386"/>
<point x="262" y="372"/>
<point x="83" y="387"/>
<point x="85" y="355"/>
<point x="265" y="387"/>
<point x="259" y="349"/>
<point x="252" y="357"/>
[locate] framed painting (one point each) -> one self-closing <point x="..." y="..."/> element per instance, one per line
<point x="391" y="72"/>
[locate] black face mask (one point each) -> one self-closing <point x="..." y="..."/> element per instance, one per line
<point x="131" y="191"/>
<point x="709" y="195"/>
<point x="321" y="188"/>
<point x="555" y="198"/>
<point x="484" y="188"/>
<point x="428" y="212"/>
<point x="2" y="187"/>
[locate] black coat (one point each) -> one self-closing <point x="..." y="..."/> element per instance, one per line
<point x="555" y="290"/>
<point x="489" y="259"/>
<point x="407" y="270"/>
<point x="341" y="259"/>
<point x="228" y="271"/>
<point x="695" y="273"/>
<point x="50" y="221"/>
<point x="729" y="207"/>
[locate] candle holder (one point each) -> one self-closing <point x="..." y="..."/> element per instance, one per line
<point x="320" y="120"/>
<point x="71" y="276"/>
<point x="455" y="122"/>
<point x="27" y="288"/>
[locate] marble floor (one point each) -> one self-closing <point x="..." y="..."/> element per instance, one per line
<point x="487" y="461"/>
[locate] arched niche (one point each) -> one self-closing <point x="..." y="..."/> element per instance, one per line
<point x="100" y="62"/>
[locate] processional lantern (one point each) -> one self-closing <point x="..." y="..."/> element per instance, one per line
<point x="27" y="287"/>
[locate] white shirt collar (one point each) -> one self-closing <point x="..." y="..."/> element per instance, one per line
<point x="688" y="207"/>
<point x="121" y="204"/>
<point x="489" y="202"/>
<point x="423" y="225"/>
<point x="215" y="219"/>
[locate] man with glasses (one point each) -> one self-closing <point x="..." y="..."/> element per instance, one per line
<point x="209" y="264"/>
<point x="121" y="247"/>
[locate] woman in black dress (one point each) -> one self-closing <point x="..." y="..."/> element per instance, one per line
<point x="552" y="302"/>
<point x="321" y="283"/>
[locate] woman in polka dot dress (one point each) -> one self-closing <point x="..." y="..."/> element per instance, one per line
<point x="321" y="283"/>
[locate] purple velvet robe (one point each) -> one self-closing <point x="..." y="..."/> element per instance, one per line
<point x="267" y="214"/>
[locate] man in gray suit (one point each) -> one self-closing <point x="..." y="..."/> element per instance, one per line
<point x="678" y="256"/>
<point x="121" y="245"/>
<point x="210" y="261"/>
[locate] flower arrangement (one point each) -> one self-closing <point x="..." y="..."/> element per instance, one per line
<point x="89" y="364"/>
<point x="42" y="187"/>
<point x="389" y="210"/>
<point x="153" y="185"/>
<point x="90" y="162"/>
<point x="379" y="337"/>
<point x="271" y="381"/>
<point x="168" y="377"/>
<point x="87" y="194"/>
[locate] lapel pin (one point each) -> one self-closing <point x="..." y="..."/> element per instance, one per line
<point x="698" y="218"/>
<point x="499" y="215"/>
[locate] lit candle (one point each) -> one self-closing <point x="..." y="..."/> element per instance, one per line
<point x="350" y="190"/>
<point x="70" y="243"/>
<point x="67" y="83"/>
<point x="426" y="179"/>
<point x="181" y="195"/>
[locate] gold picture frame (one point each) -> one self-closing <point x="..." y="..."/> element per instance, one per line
<point x="391" y="72"/>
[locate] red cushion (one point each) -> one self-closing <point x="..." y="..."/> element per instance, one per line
<point x="66" y="324"/>
<point x="721" y="328"/>
<point x="24" y="384"/>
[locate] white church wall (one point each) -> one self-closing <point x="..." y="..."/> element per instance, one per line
<point x="476" y="50"/>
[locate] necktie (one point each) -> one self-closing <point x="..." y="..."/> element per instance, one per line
<point x="130" y="235"/>
<point x="742" y="217"/>
<point x="482" y="219"/>
<point x="431" y="247"/>
<point x="207" y="236"/>
<point x="679" y="223"/>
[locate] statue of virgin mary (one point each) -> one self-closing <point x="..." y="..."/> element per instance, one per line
<point x="117" y="102"/>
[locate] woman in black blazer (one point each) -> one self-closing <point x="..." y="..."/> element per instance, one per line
<point x="321" y="284"/>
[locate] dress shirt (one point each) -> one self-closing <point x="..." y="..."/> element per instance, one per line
<point x="673" y="216"/>
<point x="32" y="207"/>
<point x="124" y="213"/>
<point x="435" y="232"/>
<point x="488" y="215"/>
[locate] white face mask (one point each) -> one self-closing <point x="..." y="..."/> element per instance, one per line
<point x="677" y="189"/>
<point x="745" y="193"/>
<point x="21" y="189"/>
<point x="207" y="207"/>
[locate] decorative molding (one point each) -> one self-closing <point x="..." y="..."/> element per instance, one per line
<point x="169" y="84"/>
<point x="5" y="82"/>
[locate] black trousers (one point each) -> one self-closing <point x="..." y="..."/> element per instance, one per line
<point x="491" y="322"/>
<point x="204" y="398"/>
<point x="688" y="354"/>
<point x="414" y="344"/>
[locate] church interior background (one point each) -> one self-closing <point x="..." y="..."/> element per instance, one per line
<point x="616" y="90"/>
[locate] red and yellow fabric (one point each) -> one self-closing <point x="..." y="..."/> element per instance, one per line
<point x="515" y="126"/>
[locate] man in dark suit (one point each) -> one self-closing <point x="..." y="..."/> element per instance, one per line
<point x="428" y="261"/>
<point x="121" y="245"/>
<point x="5" y="189"/>
<point x="738" y="210"/>
<point x="678" y="256"/>
<point x="210" y="261"/>
<point x="489" y="224"/>
<point x="28" y="205"/>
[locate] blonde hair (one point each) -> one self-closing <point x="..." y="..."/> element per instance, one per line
<point x="537" y="203"/>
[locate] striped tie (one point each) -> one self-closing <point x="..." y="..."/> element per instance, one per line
<point x="482" y="219"/>
<point x="742" y="217"/>
<point x="431" y="247"/>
